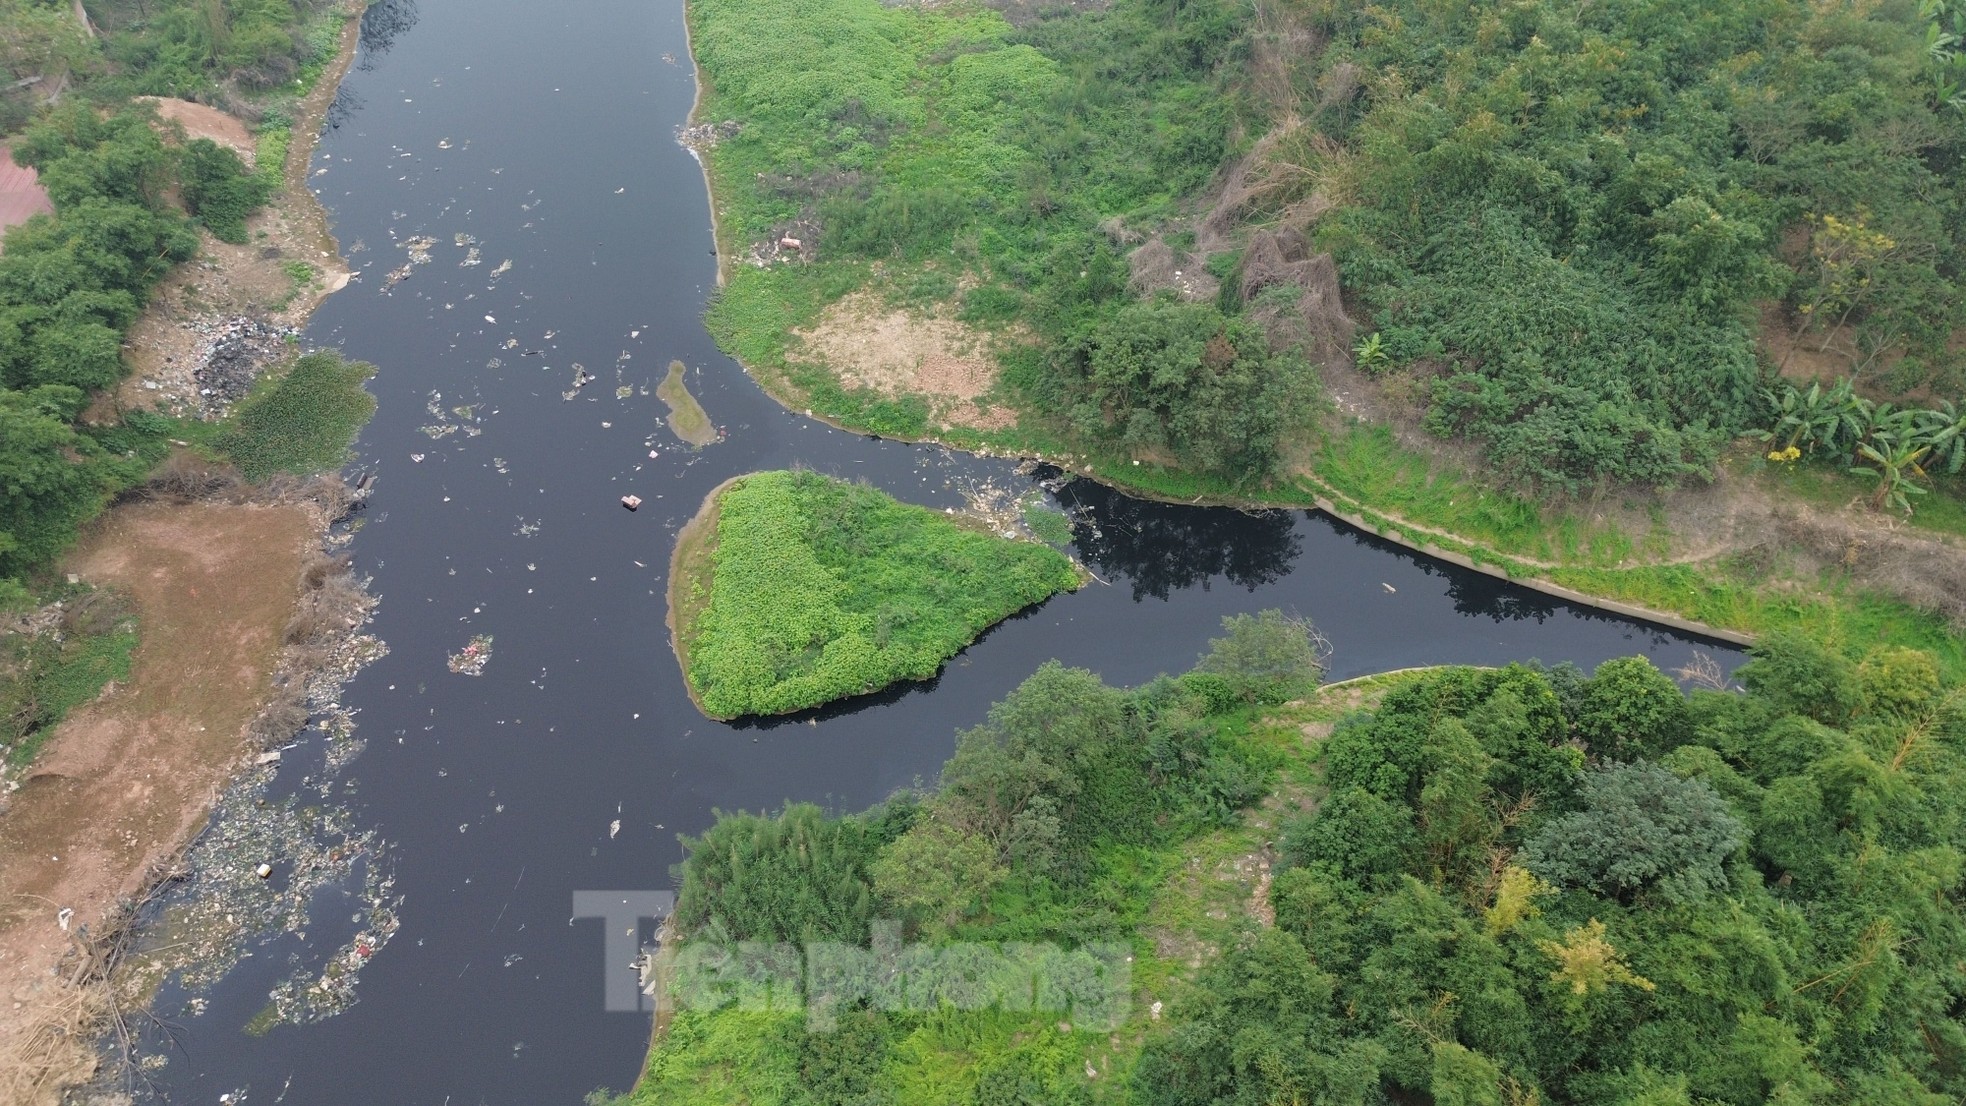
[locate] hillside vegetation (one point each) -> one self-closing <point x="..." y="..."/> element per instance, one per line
<point x="814" y="588"/>
<point x="1502" y="886"/>
<point x="127" y="205"/>
<point x="1567" y="225"/>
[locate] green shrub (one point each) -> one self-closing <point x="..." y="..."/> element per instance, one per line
<point x="218" y="190"/>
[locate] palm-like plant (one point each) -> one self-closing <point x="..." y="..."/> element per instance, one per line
<point x="1894" y="465"/>
<point x="1816" y="418"/>
<point x="1943" y="430"/>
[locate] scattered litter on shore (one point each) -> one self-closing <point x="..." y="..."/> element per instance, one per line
<point x="230" y="356"/>
<point x="705" y="136"/>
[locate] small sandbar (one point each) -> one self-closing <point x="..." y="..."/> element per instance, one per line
<point x="687" y="418"/>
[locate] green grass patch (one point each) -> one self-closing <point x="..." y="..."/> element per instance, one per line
<point x="1367" y="464"/>
<point x="302" y="420"/>
<point x="1941" y="510"/>
<point x="820" y="589"/>
<point x="44" y="676"/>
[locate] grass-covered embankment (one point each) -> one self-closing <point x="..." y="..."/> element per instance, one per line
<point x="793" y="589"/>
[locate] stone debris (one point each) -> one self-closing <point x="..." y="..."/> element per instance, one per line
<point x="792" y="241"/>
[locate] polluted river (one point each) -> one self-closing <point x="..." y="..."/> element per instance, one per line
<point x="533" y="250"/>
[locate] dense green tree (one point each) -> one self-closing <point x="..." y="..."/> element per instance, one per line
<point x="1797" y="675"/>
<point x="1183" y="381"/>
<point x="218" y="189"/>
<point x="937" y="873"/>
<point x="796" y="876"/>
<point x="1640" y="830"/>
<point x="1631" y="709"/>
<point x="1265" y="657"/>
<point x="44" y="490"/>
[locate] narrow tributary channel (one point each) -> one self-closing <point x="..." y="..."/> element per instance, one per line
<point x="477" y="132"/>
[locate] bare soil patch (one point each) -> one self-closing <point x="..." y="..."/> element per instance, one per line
<point x="896" y="352"/>
<point x="21" y="194"/>
<point x="1804" y="357"/>
<point x="204" y="121"/>
<point x="125" y="781"/>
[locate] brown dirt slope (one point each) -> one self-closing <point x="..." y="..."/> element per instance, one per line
<point x="126" y="780"/>
<point x="203" y="121"/>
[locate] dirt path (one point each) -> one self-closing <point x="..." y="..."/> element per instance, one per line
<point x="125" y="781"/>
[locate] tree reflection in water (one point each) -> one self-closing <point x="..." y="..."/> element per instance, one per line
<point x="1160" y="547"/>
<point x="382" y="24"/>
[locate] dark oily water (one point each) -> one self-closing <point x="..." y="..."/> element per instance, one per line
<point x="543" y="134"/>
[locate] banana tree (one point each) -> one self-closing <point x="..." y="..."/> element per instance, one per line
<point x="1895" y="467"/>
<point x="1943" y="430"/>
<point x="1832" y="419"/>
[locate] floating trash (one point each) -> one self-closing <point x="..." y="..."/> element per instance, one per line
<point x="470" y="661"/>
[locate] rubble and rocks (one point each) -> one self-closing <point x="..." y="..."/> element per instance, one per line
<point x="792" y="241"/>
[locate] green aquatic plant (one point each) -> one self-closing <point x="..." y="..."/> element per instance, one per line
<point x="815" y="589"/>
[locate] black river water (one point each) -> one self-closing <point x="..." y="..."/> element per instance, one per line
<point x="545" y="132"/>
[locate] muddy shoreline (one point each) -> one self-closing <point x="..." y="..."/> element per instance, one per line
<point x="704" y="519"/>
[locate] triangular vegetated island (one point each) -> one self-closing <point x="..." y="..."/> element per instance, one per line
<point x="792" y="589"/>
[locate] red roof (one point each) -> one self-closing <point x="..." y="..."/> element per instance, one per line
<point x="21" y="194"/>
